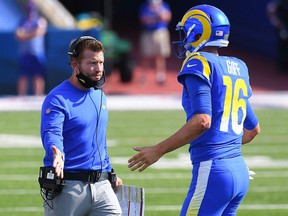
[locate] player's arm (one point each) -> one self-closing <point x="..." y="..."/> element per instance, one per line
<point x="200" y="99"/>
<point x="148" y="155"/>
<point x="23" y="35"/>
<point x="249" y="135"/>
<point x="251" y="125"/>
<point x="196" y="126"/>
<point x="42" y="27"/>
<point x="165" y="14"/>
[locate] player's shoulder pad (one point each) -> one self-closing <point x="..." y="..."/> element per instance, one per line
<point x="194" y="59"/>
<point x="196" y="62"/>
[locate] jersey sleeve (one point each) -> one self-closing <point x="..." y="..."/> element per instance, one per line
<point x="199" y="95"/>
<point x="196" y="65"/>
<point x="251" y="119"/>
<point x="52" y="120"/>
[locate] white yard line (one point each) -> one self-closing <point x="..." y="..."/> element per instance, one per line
<point x="159" y="208"/>
<point x="255" y="189"/>
<point x="16" y="141"/>
<point x="242" y="207"/>
<point x="183" y="162"/>
<point x="277" y="99"/>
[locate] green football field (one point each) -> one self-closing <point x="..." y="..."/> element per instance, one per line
<point x="166" y="182"/>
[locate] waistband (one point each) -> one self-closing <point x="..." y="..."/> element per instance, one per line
<point x="86" y="176"/>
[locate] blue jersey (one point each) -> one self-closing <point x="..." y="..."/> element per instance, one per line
<point x="35" y="46"/>
<point x="229" y="88"/>
<point x="75" y="121"/>
<point x="152" y="14"/>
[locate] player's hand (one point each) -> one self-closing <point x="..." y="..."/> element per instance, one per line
<point x="146" y="156"/>
<point x="58" y="162"/>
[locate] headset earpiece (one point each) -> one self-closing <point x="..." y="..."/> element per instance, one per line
<point x="74" y="44"/>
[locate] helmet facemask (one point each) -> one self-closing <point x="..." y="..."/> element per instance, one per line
<point x="179" y="47"/>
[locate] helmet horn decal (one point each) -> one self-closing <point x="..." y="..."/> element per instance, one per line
<point x="206" y="23"/>
<point x="191" y="13"/>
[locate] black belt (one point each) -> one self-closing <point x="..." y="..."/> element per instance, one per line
<point x="85" y="176"/>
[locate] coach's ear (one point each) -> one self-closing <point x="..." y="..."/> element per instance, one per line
<point x="73" y="63"/>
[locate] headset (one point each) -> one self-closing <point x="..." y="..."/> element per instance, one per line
<point x="74" y="52"/>
<point x="74" y="44"/>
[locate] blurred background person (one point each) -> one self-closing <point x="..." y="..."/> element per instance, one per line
<point x="155" y="15"/>
<point x="278" y="14"/>
<point x="32" y="60"/>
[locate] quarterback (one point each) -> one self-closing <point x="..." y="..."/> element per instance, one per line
<point x="219" y="116"/>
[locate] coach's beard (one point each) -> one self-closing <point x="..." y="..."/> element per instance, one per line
<point x="88" y="83"/>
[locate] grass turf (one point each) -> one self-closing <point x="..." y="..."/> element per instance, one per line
<point x="165" y="187"/>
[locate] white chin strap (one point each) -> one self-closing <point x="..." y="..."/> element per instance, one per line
<point x="196" y="48"/>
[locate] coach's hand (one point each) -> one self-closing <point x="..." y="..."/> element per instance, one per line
<point x="118" y="183"/>
<point x="58" y="162"/>
<point x="146" y="156"/>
